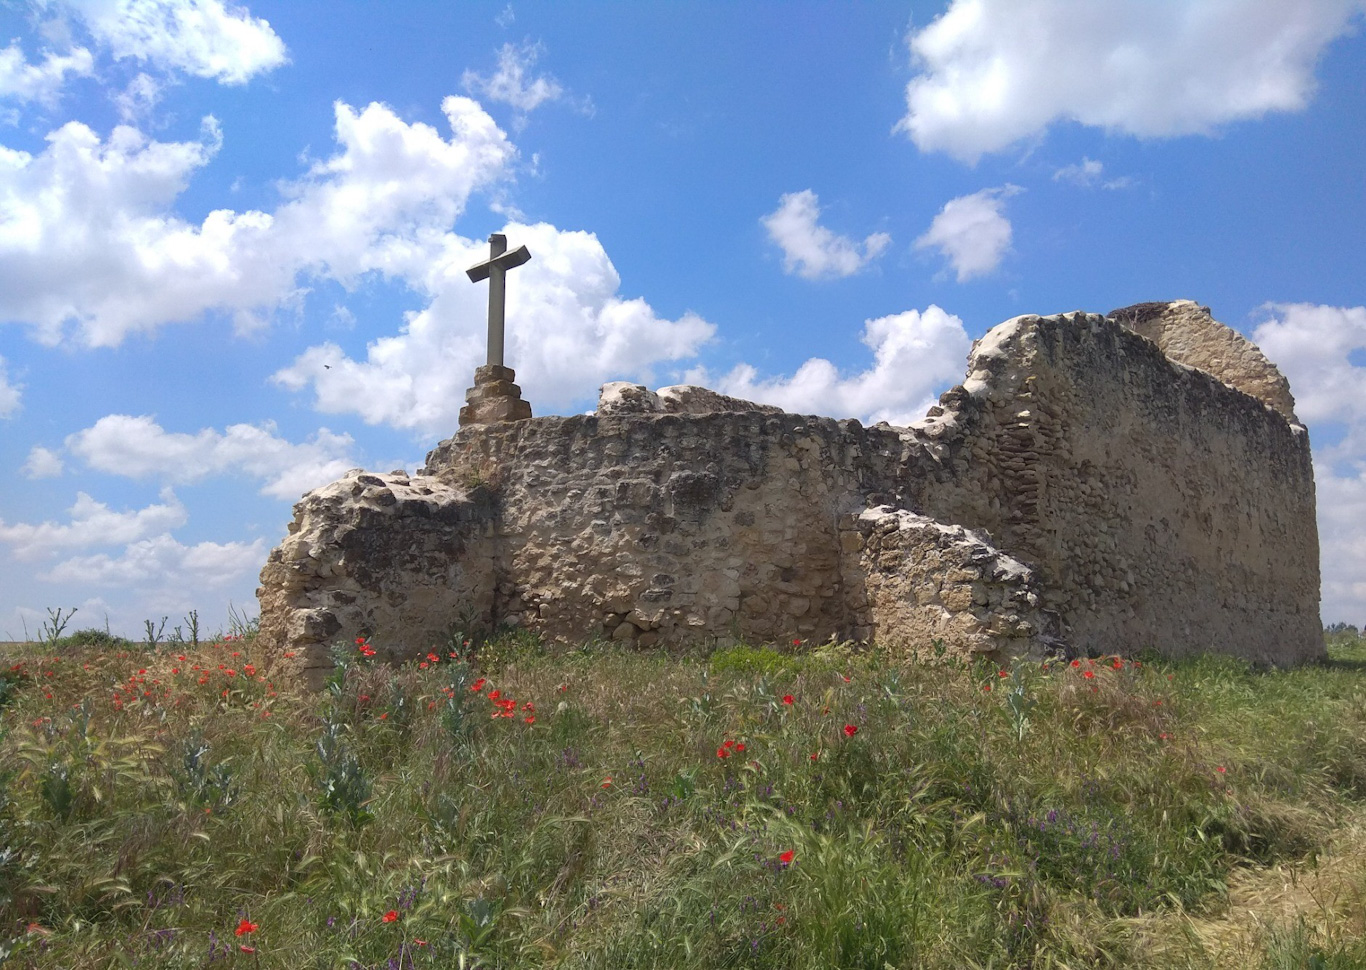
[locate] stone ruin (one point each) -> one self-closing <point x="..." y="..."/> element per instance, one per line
<point x="1097" y="484"/>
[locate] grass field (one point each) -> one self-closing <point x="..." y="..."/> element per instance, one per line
<point x="503" y="804"/>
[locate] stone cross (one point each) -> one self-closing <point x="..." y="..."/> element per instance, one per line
<point x="494" y="269"/>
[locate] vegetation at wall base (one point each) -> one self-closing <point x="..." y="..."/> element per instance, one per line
<point x="500" y="803"/>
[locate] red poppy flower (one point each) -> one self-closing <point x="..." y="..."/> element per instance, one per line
<point x="987" y="688"/>
<point x="433" y="658"/>
<point x="1003" y="673"/>
<point x="739" y="747"/>
<point x="1221" y="769"/>
<point x="788" y="699"/>
<point x="390" y="916"/>
<point x="1088" y="674"/>
<point x="478" y="685"/>
<point x="1118" y="664"/>
<point x="495" y="694"/>
<point x="850" y="730"/>
<point x="729" y="744"/>
<point x="813" y="755"/>
<point x="606" y="782"/>
<point x="1076" y="663"/>
<point x="248" y="949"/>
<point x="787" y="857"/>
<point x="245" y="927"/>
<point x="530" y="719"/>
<point x="722" y="753"/>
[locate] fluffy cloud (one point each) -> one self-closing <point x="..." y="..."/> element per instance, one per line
<point x="510" y="85"/>
<point x="87" y="237"/>
<point x="972" y="232"/>
<point x="568" y="332"/>
<point x="997" y="71"/>
<point x="162" y="562"/>
<point x="809" y="249"/>
<point x="138" y="447"/>
<point x="9" y="394"/>
<point x="23" y="82"/>
<point x="915" y="355"/>
<point x="1316" y="346"/>
<point x="42" y="463"/>
<point x="198" y="37"/>
<point x="93" y="524"/>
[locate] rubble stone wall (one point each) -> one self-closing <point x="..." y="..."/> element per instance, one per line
<point x="668" y="529"/>
<point x="1080" y="490"/>
<point x="1159" y="508"/>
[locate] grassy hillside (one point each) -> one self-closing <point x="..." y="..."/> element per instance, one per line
<point x="501" y="804"/>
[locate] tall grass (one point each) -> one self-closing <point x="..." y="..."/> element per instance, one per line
<point x="508" y="805"/>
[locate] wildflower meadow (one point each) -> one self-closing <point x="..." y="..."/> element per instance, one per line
<point x="499" y="802"/>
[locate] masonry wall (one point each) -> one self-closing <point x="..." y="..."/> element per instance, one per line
<point x="1161" y="508"/>
<point x="403" y="559"/>
<point x="662" y="528"/>
<point x="1078" y="491"/>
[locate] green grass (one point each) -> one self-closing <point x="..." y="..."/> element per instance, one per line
<point x="636" y="810"/>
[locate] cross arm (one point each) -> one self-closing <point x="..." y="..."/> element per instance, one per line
<point x="505" y="262"/>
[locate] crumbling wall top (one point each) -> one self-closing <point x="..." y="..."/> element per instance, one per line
<point x="1187" y="333"/>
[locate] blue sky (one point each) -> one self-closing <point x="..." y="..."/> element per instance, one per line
<point x="232" y="237"/>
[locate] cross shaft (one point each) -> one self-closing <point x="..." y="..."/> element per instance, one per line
<point x="494" y="269"/>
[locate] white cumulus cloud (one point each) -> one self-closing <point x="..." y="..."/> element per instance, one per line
<point x="88" y="238"/>
<point x="160" y="562"/>
<point x="1315" y="347"/>
<point x="972" y="232"/>
<point x="809" y="249"/>
<point x="9" y="393"/>
<point x="568" y="331"/>
<point x="24" y="82"/>
<point x="994" y="72"/>
<point x="916" y="354"/>
<point x="42" y="463"/>
<point x="138" y="447"/>
<point x="93" y="524"/>
<point x="203" y="38"/>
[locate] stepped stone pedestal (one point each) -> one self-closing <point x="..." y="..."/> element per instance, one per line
<point x="494" y="398"/>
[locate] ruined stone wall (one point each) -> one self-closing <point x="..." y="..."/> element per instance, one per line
<point x="1159" y="508"/>
<point x="670" y="529"/>
<point x="404" y="558"/>
<point x="1079" y="489"/>
<point x="913" y="582"/>
<point x="1186" y="333"/>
